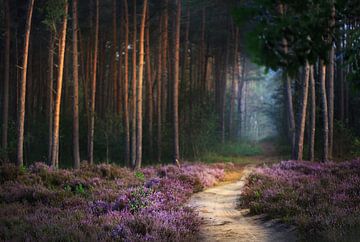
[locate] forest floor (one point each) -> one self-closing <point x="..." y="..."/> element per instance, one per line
<point x="223" y="221"/>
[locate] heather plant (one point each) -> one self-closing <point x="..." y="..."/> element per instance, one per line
<point x="318" y="198"/>
<point x="102" y="202"/>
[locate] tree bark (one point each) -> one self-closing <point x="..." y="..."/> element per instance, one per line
<point x="51" y="93"/>
<point x="330" y="85"/>
<point x="114" y="65"/>
<point x="126" y="86"/>
<point x="164" y="57"/>
<point x="289" y="99"/>
<point x="159" y="93"/>
<point x="76" y="149"/>
<point x="133" y="90"/>
<point x="325" y="111"/>
<point x="233" y="85"/>
<point x="176" y="85"/>
<point x="93" y="88"/>
<point x="21" y="116"/>
<point x="139" y="88"/>
<point x="7" y="47"/>
<point x="313" y="115"/>
<point x="57" y="105"/>
<point x="149" y="88"/>
<point x="302" y="114"/>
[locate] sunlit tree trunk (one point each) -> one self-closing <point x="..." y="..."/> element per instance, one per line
<point x="312" y="115"/>
<point x="76" y="149"/>
<point x="59" y="82"/>
<point x="22" y="93"/>
<point x="126" y="85"/>
<point x="176" y="85"/>
<point x="133" y="89"/>
<point x="139" y="117"/>
<point x="93" y="88"/>
<point x="302" y="114"/>
<point x="325" y="111"/>
<point x="5" y="114"/>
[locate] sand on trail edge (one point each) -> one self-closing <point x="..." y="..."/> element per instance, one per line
<point x="223" y="221"/>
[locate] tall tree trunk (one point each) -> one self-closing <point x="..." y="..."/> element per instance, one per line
<point x="126" y="86"/>
<point x="51" y="92"/>
<point x="159" y="92"/>
<point x="76" y="149"/>
<point x="330" y="86"/>
<point x="21" y="116"/>
<point x="164" y="71"/>
<point x="302" y="114"/>
<point x="113" y="61"/>
<point x="139" y="88"/>
<point x="202" y="53"/>
<point x="133" y="90"/>
<point x="223" y="93"/>
<point x="233" y="92"/>
<point x="240" y="91"/>
<point x="5" y="113"/>
<point x="93" y="88"/>
<point x="289" y="99"/>
<point x="150" y="107"/>
<point x="61" y="56"/>
<point x="313" y="115"/>
<point x="325" y="111"/>
<point x="176" y="85"/>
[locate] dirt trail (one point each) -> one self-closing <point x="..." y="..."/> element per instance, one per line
<point x="224" y="222"/>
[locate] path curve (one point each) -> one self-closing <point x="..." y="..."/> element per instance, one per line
<point x="223" y="222"/>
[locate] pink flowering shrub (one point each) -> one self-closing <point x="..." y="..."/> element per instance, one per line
<point x="316" y="197"/>
<point x="101" y="203"/>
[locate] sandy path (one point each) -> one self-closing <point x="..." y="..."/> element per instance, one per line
<point x="223" y="222"/>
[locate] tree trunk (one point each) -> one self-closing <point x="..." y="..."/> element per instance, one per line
<point x="21" y="116"/>
<point x="126" y="86"/>
<point x="240" y="91"/>
<point x="76" y="149"/>
<point x="164" y="71"/>
<point x="133" y="90"/>
<point x="150" y="107"/>
<point x="51" y="93"/>
<point x="176" y="85"/>
<point x="5" y="114"/>
<point x="159" y="93"/>
<point x="93" y="88"/>
<point x="330" y="86"/>
<point x="313" y="115"/>
<point x="325" y="111"/>
<point x="233" y="86"/>
<point x="56" y="126"/>
<point x="139" y="88"/>
<point x="289" y="99"/>
<point x="302" y="114"/>
<point x="113" y="61"/>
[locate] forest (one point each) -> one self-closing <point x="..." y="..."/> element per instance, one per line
<point x="179" y="120"/>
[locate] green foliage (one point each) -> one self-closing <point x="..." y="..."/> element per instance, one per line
<point x="231" y="152"/>
<point x="79" y="189"/>
<point x="139" y="175"/>
<point x="54" y="11"/>
<point x="305" y="31"/>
